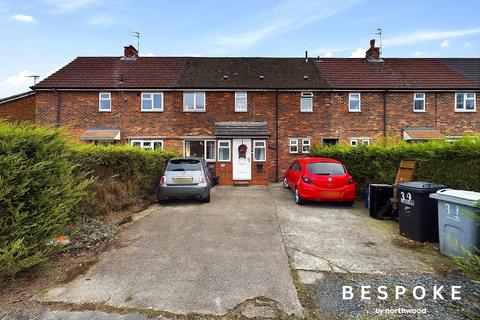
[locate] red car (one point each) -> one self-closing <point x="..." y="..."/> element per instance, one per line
<point x="320" y="179"/>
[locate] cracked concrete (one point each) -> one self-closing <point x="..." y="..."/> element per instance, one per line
<point x="321" y="237"/>
<point x="186" y="257"/>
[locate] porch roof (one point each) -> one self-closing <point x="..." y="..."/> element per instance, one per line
<point x="93" y="134"/>
<point x="241" y="129"/>
<point x="421" y="133"/>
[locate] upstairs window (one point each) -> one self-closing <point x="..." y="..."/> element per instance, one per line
<point x="152" y="101"/>
<point x="465" y="102"/>
<point x="104" y="101"/>
<point x="354" y="102"/>
<point x="419" y="102"/>
<point x="241" y="101"/>
<point x="306" y="102"/>
<point x="194" y="101"/>
<point x="259" y="150"/>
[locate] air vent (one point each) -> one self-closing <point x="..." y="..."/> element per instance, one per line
<point x="225" y="77"/>
<point x="261" y="77"/>
<point x="305" y="77"/>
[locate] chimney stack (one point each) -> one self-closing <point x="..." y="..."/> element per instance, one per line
<point x="129" y="52"/>
<point x="373" y="53"/>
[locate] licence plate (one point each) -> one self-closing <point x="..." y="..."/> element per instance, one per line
<point x="331" y="193"/>
<point x="182" y="180"/>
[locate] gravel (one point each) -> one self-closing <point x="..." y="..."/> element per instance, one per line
<point x="328" y="292"/>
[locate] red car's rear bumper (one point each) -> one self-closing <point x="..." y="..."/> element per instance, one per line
<point x="314" y="193"/>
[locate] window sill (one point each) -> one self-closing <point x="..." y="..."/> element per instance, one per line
<point x="259" y="160"/>
<point x="194" y="110"/>
<point x="304" y="111"/>
<point x="466" y="111"/>
<point x="355" y="111"/>
<point x="241" y="111"/>
<point x="419" y="111"/>
<point x="105" y="110"/>
<point x="151" y="110"/>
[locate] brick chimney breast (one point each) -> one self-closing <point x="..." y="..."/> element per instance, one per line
<point x="129" y="52"/>
<point x="373" y="53"/>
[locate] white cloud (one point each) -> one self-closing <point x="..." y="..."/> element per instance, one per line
<point x="358" y="53"/>
<point x="413" y="38"/>
<point x="287" y="15"/>
<point x="102" y="20"/>
<point x="24" y="18"/>
<point x="417" y="53"/>
<point x="444" y="44"/>
<point x="65" y="6"/>
<point x="16" y="83"/>
<point x="20" y="82"/>
<point x="327" y="54"/>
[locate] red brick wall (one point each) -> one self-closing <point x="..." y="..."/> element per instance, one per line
<point x="330" y="118"/>
<point x="19" y="110"/>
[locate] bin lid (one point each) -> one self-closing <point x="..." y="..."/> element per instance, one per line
<point x="420" y="186"/>
<point x="463" y="197"/>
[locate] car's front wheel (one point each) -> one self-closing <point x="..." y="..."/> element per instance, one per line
<point x="285" y="183"/>
<point x="298" y="198"/>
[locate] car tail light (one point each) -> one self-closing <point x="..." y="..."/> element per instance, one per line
<point x="307" y="180"/>
<point x="163" y="181"/>
<point x="202" y="179"/>
<point x="350" y="180"/>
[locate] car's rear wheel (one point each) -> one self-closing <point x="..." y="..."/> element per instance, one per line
<point x="161" y="200"/>
<point x="206" y="199"/>
<point x="298" y="198"/>
<point x="349" y="203"/>
<point x="285" y="183"/>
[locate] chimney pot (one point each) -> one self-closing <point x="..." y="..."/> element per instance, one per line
<point x="130" y="52"/>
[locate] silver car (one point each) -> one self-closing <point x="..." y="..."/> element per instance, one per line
<point x="185" y="178"/>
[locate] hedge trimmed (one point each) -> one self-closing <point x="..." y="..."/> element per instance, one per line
<point x="47" y="183"/>
<point x="455" y="164"/>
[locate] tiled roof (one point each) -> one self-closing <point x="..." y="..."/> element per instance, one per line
<point x="251" y="73"/>
<point x="17" y="96"/>
<point x="237" y="128"/>
<point x="265" y="73"/>
<point x="469" y="67"/>
<point x="392" y="73"/>
<point x="114" y="72"/>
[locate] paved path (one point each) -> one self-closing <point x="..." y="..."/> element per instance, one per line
<point x="194" y="258"/>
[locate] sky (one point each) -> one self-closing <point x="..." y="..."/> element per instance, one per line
<point x="40" y="36"/>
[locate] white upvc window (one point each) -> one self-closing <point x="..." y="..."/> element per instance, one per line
<point x="465" y="102"/>
<point x="210" y="150"/>
<point x="359" y="141"/>
<point x="354" y="103"/>
<point x="194" y="101"/>
<point x="104" y="101"/>
<point x="305" y="145"/>
<point x="293" y="144"/>
<point x="306" y="102"/>
<point x="148" y="144"/>
<point x="152" y="101"/>
<point x="224" y="150"/>
<point x="241" y="103"/>
<point x="259" y="150"/>
<point x="419" y="102"/>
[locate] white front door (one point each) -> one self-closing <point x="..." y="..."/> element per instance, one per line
<point x="242" y="167"/>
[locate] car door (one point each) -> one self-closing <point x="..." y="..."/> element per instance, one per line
<point x="290" y="174"/>
<point x="297" y="173"/>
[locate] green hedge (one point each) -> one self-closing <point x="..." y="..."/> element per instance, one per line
<point x="456" y="164"/>
<point x="123" y="174"/>
<point x="47" y="183"/>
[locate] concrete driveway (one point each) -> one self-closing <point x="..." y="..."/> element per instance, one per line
<point x="186" y="257"/>
<point x="338" y="238"/>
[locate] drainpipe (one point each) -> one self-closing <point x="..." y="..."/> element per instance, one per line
<point x="385" y="101"/>
<point x="57" y="108"/>
<point x="276" y="136"/>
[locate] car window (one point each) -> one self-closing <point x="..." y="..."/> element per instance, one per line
<point x="184" y="165"/>
<point x="326" y="168"/>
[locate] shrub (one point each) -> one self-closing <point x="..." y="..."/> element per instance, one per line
<point x="456" y="164"/>
<point x="39" y="192"/>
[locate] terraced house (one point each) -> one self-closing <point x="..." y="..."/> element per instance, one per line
<point x="251" y="117"/>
